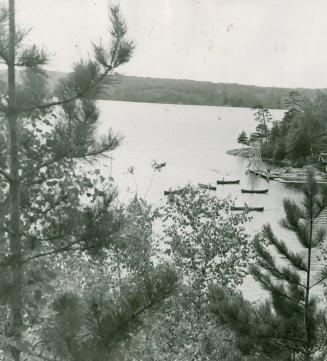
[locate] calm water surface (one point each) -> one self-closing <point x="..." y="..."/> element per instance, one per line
<point x="193" y="141"/>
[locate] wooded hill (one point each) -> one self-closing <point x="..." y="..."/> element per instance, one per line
<point x="177" y="91"/>
<point x="181" y="91"/>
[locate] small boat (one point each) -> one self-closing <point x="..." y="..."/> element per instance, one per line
<point x="160" y="165"/>
<point x="175" y="191"/>
<point x="207" y="186"/>
<point x="258" y="191"/>
<point x="248" y="209"/>
<point x="223" y="181"/>
<point x="263" y="174"/>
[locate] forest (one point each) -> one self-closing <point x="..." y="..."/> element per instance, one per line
<point x="299" y="138"/>
<point x="85" y="277"/>
<point x="182" y="91"/>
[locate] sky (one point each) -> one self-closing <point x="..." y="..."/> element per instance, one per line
<point x="260" y="42"/>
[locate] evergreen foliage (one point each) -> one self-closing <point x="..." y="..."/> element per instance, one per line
<point x="92" y="326"/>
<point x="184" y="331"/>
<point x="302" y="133"/>
<point x="263" y="117"/>
<point x="207" y="244"/>
<point x="291" y="324"/>
<point x="181" y="91"/>
<point x="57" y="208"/>
<point x="243" y="138"/>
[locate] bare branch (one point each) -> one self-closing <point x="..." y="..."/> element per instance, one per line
<point x="6" y="175"/>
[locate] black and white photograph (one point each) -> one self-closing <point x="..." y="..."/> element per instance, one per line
<point x="163" y="180"/>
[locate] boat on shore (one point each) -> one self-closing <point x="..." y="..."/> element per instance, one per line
<point x="174" y="191"/>
<point x="248" y="209"/>
<point x="257" y="191"/>
<point x="263" y="174"/>
<point x="299" y="181"/>
<point x="223" y="181"/>
<point x="207" y="186"/>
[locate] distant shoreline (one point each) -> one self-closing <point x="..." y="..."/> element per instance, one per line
<point x="191" y="92"/>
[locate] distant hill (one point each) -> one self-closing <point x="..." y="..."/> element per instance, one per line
<point x="179" y="91"/>
<point x="176" y="91"/>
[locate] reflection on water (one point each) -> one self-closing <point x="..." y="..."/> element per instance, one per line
<point x="193" y="141"/>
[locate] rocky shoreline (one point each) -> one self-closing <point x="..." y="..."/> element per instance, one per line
<point x="240" y="152"/>
<point x="285" y="174"/>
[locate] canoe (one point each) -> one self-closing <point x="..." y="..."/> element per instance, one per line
<point x="237" y="181"/>
<point x="258" y="191"/>
<point x="160" y="165"/>
<point x="175" y="191"/>
<point x="249" y="209"/>
<point x="207" y="186"/>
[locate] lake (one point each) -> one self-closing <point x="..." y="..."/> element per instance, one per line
<point x="193" y="141"/>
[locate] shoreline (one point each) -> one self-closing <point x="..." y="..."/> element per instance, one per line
<point x="284" y="173"/>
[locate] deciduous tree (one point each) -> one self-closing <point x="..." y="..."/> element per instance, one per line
<point x="206" y="240"/>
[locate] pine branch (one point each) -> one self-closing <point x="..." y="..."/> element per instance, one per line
<point x="266" y="261"/>
<point x="32" y="57"/>
<point x="293" y="215"/>
<point x="81" y="94"/>
<point x="324" y="276"/>
<point x="295" y="258"/>
<point x="68" y="154"/>
<point x="267" y="283"/>
<point x="68" y="247"/>
<point x="293" y="348"/>
<point x="319" y="237"/>
<point x="155" y="290"/>
<point x="119" y="54"/>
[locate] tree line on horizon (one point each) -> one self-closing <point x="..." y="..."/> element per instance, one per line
<point x="181" y="91"/>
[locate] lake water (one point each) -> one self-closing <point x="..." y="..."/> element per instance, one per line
<point x="193" y="141"/>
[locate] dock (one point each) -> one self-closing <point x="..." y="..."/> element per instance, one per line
<point x="262" y="174"/>
<point x="297" y="181"/>
<point x="256" y="166"/>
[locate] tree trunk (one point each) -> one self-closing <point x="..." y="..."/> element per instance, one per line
<point x="14" y="205"/>
<point x="307" y="353"/>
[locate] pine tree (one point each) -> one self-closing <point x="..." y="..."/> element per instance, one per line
<point x="243" y="138"/>
<point x="93" y="326"/>
<point x="52" y="202"/>
<point x="263" y="117"/>
<point x="294" y="102"/>
<point x="290" y="324"/>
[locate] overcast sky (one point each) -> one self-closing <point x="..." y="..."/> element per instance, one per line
<point x="261" y="42"/>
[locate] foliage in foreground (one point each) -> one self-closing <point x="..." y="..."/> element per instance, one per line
<point x="207" y="241"/>
<point x="291" y="324"/>
<point x="58" y="213"/>
<point x="184" y="331"/>
<point x="197" y="228"/>
<point x="95" y="324"/>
